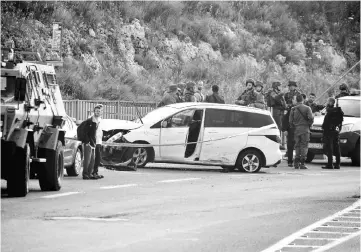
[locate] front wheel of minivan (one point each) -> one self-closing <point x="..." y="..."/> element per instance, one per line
<point x="249" y="161"/>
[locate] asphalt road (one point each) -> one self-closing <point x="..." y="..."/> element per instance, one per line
<point x="177" y="208"/>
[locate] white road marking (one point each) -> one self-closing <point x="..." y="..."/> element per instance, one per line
<point x="327" y="232"/>
<point x="338" y="242"/>
<point x="302" y="246"/>
<point x="86" y="218"/>
<point x="59" y="195"/>
<point x="316" y="238"/>
<point x="338" y="221"/>
<point x="310" y="229"/>
<point x="118" y="186"/>
<point x="177" y="180"/>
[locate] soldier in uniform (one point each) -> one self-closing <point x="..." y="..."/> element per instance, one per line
<point x="292" y="85"/>
<point x="169" y="97"/>
<point x="301" y="119"/>
<point x="189" y="93"/>
<point x="249" y="95"/>
<point x="181" y="88"/>
<point x="344" y="91"/>
<point x="312" y="104"/>
<point x="277" y="103"/>
<point x="198" y="93"/>
<point x="260" y="102"/>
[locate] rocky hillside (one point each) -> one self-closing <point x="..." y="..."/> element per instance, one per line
<point x="133" y="50"/>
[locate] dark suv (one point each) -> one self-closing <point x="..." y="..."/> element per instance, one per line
<point x="349" y="135"/>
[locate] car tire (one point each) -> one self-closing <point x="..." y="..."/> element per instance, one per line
<point x="18" y="180"/>
<point x="142" y="154"/>
<point x="356" y="155"/>
<point x="249" y="161"/>
<point x="310" y="157"/>
<point x="76" y="168"/>
<point x="52" y="171"/>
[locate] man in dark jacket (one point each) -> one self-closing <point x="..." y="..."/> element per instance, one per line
<point x="312" y="104"/>
<point x="332" y="125"/>
<point x="215" y="97"/>
<point x="344" y="91"/>
<point x="301" y="119"/>
<point x="90" y="143"/>
<point x="249" y="96"/>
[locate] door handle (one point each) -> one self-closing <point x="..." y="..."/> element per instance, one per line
<point x="212" y="132"/>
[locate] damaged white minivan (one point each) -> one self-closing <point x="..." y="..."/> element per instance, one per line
<point x="230" y="136"/>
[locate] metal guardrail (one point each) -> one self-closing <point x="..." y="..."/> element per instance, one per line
<point x="123" y="110"/>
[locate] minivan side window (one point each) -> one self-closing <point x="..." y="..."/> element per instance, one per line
<point x="235" y="119"/>
<point x="181" y="119"/>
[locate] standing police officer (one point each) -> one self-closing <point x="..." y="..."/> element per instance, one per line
<point x="301" y="119"/>
<point x="332" y="126"/>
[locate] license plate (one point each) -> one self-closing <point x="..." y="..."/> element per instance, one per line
<point x="315" y="145"/>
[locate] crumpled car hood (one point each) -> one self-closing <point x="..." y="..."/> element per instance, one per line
<point x="111" y="124"/>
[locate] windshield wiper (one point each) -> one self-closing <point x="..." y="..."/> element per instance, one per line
<point x="349" y="116"/>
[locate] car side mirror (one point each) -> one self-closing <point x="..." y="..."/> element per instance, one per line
<point x="164" y="124"/>
<point x="20" y="89"/>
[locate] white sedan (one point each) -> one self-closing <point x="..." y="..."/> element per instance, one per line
<point x="226" y="135"/>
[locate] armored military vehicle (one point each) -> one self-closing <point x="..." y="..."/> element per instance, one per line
<point x="32" y="113"/>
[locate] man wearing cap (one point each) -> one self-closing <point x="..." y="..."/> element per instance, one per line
<point x="292" y="85"/>
<point x="170" y="97"/>
<point x="344" y="91"/>
<point x="259" y="103"/>
<point x="189" y="93"/>
<point x="249" y="95"/>
<point x="277" y="103"/>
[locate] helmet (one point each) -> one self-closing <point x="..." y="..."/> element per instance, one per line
<point x="190" y="84"/>
<point x="276" y="84"/>
<point x="292" y="83"/>
<point x="258" y="83"/>
<point x="343" y="86"/>
<point x="250" y="81"/>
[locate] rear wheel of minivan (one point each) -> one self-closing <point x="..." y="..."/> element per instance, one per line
<point x="249" y="161"/>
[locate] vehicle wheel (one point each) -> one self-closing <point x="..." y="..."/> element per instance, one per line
<point x="249" y="161"/>
<point x="140" y="156"/>
<point x="18" y="180"/>
<point x="310" y="157"/>
<point x="356" y="155"/>
<point x="51" y="173"/>
<point x="77" y="166"/>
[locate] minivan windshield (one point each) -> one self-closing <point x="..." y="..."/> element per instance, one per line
<point x="156" y="115"/>
<point x="350" y="108"/>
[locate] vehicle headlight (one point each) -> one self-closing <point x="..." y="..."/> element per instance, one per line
<point x="346" y="128"/>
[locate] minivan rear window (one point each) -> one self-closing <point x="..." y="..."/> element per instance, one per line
<point x="235" y="119"/>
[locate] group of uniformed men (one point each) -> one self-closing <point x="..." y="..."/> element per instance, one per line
<point x="292" y="112"/>
<point x="188" y="92"/>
